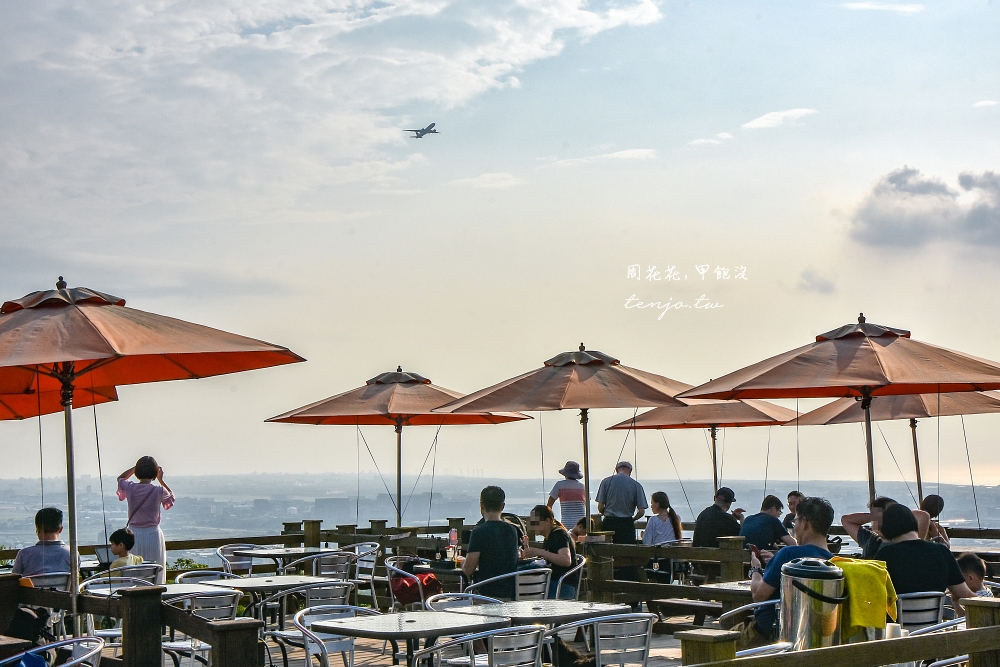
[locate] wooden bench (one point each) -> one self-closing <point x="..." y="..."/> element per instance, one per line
<point x="682" y="607"/>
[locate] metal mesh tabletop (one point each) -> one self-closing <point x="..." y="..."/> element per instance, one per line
<point x="412" y="625"/>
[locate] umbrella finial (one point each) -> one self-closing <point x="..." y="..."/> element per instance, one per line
<point x="861" y="318"/>
<point x="399" y="369"/>
<point x="582" y="348"/>
<point x="60" y="284"/>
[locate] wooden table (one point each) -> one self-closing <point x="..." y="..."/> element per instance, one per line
<point x="547" y="612"/>
<point x="413" y="626"/>
<point x="731" y="594"/>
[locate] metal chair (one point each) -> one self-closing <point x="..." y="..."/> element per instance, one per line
<point x="575" y="571"/>
<point x="314" y="594"/>
<point x="221" y="606"/>
<point x="198" y="576"/>
<point x="230" y="561"/>
<point x="321" y="644"/>
<point x="112" y="637"/>
<point x="364" y="569"/>
<point x="742" y="613"/>
<point x="329" y="565"/>
<point x="780" y="647"/>
<point x="622" y="639"/>
<point x="60" y="581"/>
<point x="530" y="584"/>
<point x="519" y="646"/>
<point x="85" y="651"/>
<point x="444" y="601"/>
<point x="147" y="572"/>
<point x="393" y="570"/>
<point x="919" y="610"/>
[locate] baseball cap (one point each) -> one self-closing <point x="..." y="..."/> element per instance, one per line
<point x="726" y="494"/>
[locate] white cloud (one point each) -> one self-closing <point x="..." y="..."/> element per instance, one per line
<point x="243" y="106"/>
<point x="724" y="135"/>
<point x="985" y="103"/>
<point x="496" y="180"/>
<point x="704" y="142"/>
<point x="776" y="118"/>
<point x="885" y="7"/>
<point x="630" y="154"/>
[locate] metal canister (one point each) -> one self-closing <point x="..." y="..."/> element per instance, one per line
<point x="812" y="593"/>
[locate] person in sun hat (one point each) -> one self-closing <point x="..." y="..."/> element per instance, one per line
<point x="622" y="501"/>
<point x="571" y="494"/>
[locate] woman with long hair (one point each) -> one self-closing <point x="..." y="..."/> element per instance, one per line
<point x="664" y="525"/>
<point x="558" y="550"/>
<point x="144" y="502"/>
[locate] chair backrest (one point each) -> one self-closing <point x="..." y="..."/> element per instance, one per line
<point x="393" y="570"/>
<point x="519" y="646"/>
<point x="623" y="640"/>
<point x="146" y="571"/>
<point x="443" y="601"/>
<point x="196" y="576"/>
<point x="231" y="562"/>
<point x="85" y="651"/>
<point x="57" y="580"/>
<point x="364" y="565"/>
<point x="574" y="574"/>
<point x="116" y="584"/>
<point x="315" y="594"/>
<point x="219" y="606"/>
<point x="329" y="565"/>
<point x="319" y="644"/>
<point x="918" y="610"/>
<point x="533" y="584"/>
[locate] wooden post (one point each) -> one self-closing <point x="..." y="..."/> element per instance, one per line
<point x="236" y="644"/>
<point x="458" y="523"/>
<point x="379" y="526"/>
<point x="311" y="532"/>
<point x="141" y="626"/>
<point x="732" y="570"/>
<point x="599" y="570"/>
<point x="293" y="529"/>
<point x="698" y="646"/>
<point x="10" y="593"/>
<point x="982" y="613"/>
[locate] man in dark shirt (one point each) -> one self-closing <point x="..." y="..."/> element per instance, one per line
<point x="870" y="539"/>
<point x="793" y="501"/>
<point x="493" y="547"/>
<point x="764" y="530"/>
<point x="916" y="566"/>
<point x="715" y="521"/>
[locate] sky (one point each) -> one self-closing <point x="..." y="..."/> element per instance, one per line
<point x="243" y="165"/>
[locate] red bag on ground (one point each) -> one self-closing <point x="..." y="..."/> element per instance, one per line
<point x="405" y="590"/>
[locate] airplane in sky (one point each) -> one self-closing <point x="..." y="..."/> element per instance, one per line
<point x="419" y="134"/>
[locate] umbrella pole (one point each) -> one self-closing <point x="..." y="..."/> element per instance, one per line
<point x="916" y="460"/>
<point x="399" y="473"/>
<point x="866" y="404"/>
<point x="74" y="547"/>
<point x="586" y="462"/>
<point x="715" y="465"/>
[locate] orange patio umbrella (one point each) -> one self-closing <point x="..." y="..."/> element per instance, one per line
<point x="710" y="414"/>
<point x="68" y="339"/>
<point x="392" y="399"/>
<point x="863" y="360"/>
<point x="581" y="380"/>
<point x="912" y="407"/>
<point x="32" y="403"/>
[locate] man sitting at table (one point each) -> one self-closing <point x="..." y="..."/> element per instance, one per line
<point x="813" y="518"/>
<point x="50" y="554"/>
<point x="764" y="529"/>
<point x="870" y="539"/>
<point x="493" y="547"/>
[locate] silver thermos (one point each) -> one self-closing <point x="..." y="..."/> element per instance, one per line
<point x="812" y="592"/>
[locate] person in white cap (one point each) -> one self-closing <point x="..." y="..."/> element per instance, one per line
<point x="571" y="494"/>
<point x="622" y="501"/>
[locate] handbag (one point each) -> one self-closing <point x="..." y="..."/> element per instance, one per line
<point x="406" y="591"/>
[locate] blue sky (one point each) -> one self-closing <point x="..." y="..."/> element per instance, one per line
<point x="242" y="165"/>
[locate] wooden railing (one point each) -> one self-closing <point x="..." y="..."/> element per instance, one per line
<point x="234" y="643"/>
<point x="981" y="642"/>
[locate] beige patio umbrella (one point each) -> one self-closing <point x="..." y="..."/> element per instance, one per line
<point x="582" y="380"/>
<point x="863" y="360"/>
<point x="392" y="399"/>
<point x="710" y="414"/>
<point x="912" y="407"/>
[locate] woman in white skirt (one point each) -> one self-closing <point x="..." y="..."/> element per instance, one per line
<point x="144" y="502"/>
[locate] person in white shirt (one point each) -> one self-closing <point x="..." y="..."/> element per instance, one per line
<point x="571" y="494"/>
<point x="664" y="525"/>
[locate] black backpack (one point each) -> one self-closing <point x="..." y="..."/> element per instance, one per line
<point x="31" y="624"/>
